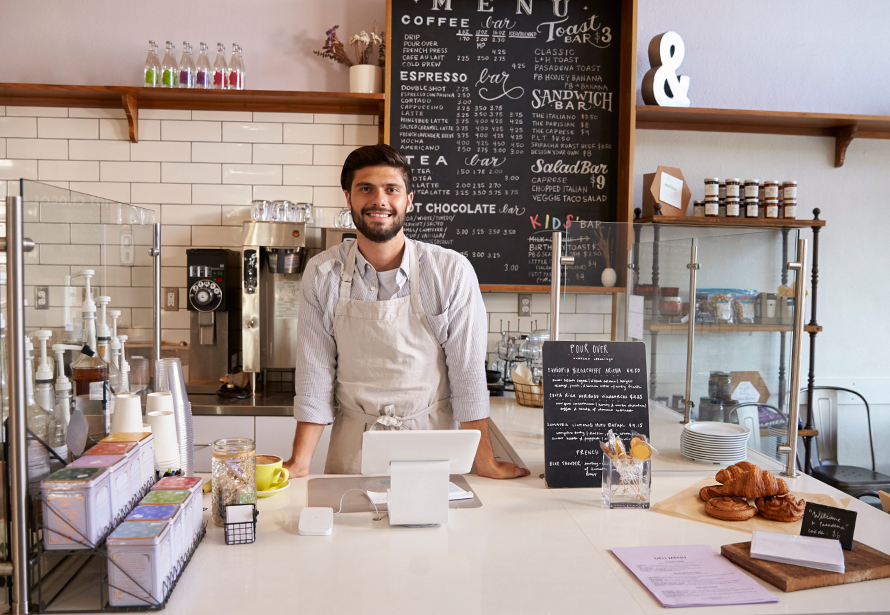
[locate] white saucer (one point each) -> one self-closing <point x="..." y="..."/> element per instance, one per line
<point x="265" y="494"/>
<point x="723" y="430"/>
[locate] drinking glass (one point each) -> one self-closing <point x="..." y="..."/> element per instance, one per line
<point x="344" y="219"/>
<point x="626" y="482"/>
<point x="276" y="212"/>
<point x="259" y="210"/>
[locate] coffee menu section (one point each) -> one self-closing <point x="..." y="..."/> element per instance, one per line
<point x="508" y="112"/>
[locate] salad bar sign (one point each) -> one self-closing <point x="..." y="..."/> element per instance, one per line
<point x="508" y="113"/>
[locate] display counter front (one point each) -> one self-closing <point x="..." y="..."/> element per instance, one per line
<point x="528" y="549"/>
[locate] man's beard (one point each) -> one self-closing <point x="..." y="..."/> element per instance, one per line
<point x="378" y="235"/>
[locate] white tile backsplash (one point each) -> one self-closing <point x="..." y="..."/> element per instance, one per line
<point x="199" y="170"/>
<point x="251" y="132"/>
<point x="37" y="149"/>
<point x="24" y="127"/>
<point x="38" y="111"/>
<point x="222" y="152"/>
<point x="263" y="174"/>
<point x="190" y="173"/>
<point x="273" y="153"/>
<point x="163" y="151"/>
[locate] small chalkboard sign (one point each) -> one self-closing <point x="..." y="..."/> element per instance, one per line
<point x="829" y="522"/>
<point x="590" y="388"/>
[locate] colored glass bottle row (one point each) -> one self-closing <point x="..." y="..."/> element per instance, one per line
<point x="187" y="73"/>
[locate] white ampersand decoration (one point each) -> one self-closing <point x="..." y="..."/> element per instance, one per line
<point x="661" y="85"/>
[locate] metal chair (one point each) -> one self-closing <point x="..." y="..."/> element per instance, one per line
<point x="748" y="415"/>
<point x="852" y="480"/>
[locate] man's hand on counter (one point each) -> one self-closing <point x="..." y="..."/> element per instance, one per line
<point x="486" y="464"/>
<point x="305" y="441"/>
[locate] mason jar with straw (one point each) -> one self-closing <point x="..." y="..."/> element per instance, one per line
<point x="234" y="475"/>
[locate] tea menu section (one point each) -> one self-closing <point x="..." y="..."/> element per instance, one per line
<point x="589" y="389"/>
<point x="508" y="113"/>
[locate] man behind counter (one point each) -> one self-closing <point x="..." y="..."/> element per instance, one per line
<point x="397" y="336"/>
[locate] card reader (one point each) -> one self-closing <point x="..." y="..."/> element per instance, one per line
<point x="316" y="521"/>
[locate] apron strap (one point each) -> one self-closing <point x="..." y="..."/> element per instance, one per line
<point x="388" y="418"/>
<point x="347" y="272"/>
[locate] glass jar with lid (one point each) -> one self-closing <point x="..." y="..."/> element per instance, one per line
<point x="752" y="188"/>
<point x="234" y="475"/>
<point x="712" y="207"/>
<point x="772" y="208"/>
<point x="771" y="189"/>
<point x="790" y="190"/>
<point x="698" y="209"/>
<point x="789" y="209"/>
<point x="732" y="187"/>
<point x="752" y="207"/>
<point x="712" y="187"/>
<point x="732" y="207"/>
<point x="721" y="191"/>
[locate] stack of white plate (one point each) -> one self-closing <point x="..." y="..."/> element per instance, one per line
<point x="709" y="442"/>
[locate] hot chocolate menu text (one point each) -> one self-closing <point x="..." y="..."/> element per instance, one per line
<point x="508" y="112"/>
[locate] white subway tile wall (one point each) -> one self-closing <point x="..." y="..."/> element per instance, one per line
<point x="198" y="170"/>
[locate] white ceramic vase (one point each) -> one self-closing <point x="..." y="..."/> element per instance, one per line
<point x="365" y="79"/>
<point x="609" y="277"/>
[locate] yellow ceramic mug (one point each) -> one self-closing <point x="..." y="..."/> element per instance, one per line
<point x="269" y="473"/>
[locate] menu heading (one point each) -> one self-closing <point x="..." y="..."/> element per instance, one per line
<point x="508" y="113"/>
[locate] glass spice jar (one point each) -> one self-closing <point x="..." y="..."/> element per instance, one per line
<point x="790" y="190"/>
<point x="752" y="207"/>
<point x="789" y="209"/>
<point x="752" y="188"/>
<point x="732" y="187"/>
<point x="772" y="208"/>
<point x="712" y="207"/>
<point x="770" y="189"/>
<point x="698" y="209"/>
<point x="234" y="475"/>
<point x="732" y="208"/>
<point x="712" y="186"/>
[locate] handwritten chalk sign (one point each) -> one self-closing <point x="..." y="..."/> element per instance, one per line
<point x="829" y="522"/>
<point x="590" y="388"/>
<point x="508" y="112"/>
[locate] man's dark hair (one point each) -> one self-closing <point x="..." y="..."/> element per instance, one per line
<point x="380" y="155"/>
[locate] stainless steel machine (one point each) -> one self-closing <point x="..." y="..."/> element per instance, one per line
<point x="273" y="258"/>
<point x="215" y="306"/>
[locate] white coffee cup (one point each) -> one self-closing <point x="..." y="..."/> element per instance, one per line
<point x="161" y="401"/>
<point x="163" y="428"/>
<point x="127" y="417"/>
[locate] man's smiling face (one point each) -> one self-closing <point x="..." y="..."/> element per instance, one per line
<point x="378" y="201"/>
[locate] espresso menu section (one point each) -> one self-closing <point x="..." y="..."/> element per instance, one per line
<point x="508" y="112"/>
<point x="590" y="388"/>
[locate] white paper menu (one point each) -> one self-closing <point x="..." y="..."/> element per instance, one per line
<point x="691" y="575"/>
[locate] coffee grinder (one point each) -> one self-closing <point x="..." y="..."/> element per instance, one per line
<point x="214" y="303"/>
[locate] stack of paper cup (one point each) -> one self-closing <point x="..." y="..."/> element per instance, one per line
<point x="127" y="417"/>
<point x="159" y="414"/>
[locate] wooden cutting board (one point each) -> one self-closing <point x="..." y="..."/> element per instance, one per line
<point x="861" y="564"/>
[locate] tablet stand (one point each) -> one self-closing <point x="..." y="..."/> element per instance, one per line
<point x="418" y="492"/>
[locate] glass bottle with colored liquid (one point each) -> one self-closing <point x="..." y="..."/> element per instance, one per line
<point x="186" y="67"/>
<point x="203" y="72"/>
<point x="236" y="69"/>
<point x="220" y="69"/>
<point x="151" y="76"/>
<point x="170" y="68"/>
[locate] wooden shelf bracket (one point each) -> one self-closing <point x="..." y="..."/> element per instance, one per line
<point x="132" y="111"/>
<point x="843" y="136"/>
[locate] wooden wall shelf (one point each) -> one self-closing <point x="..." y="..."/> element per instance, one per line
<point x="755" y="223"/>
<point x="844" y="128"/>
<point x="131" y="99"/>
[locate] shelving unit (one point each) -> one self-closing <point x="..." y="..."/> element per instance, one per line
<point x="843" y="128"/>
<point x="733" y="328"/>
<point x="131" y="99"/>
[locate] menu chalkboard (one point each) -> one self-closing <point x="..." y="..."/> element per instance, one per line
<point x="829" y="522"/>
<point x="590" y="388"/>
<point x="508" y="111"/>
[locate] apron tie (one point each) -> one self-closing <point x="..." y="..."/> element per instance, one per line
<point x="389" y="419"/>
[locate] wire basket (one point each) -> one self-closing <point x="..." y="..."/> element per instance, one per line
<point x="240" y="532"/>
<point x="529" y="394"/>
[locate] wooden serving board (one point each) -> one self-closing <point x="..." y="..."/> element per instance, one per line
<point x="861" y="564"/>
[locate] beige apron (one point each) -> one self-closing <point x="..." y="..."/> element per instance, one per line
<point x="391" y="371"/>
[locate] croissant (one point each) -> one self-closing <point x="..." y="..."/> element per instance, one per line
<point x="786" y="508"/>
<point x="755" y="484"/>
<point x="735" y="470"/>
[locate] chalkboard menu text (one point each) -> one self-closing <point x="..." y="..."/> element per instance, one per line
<point x="590" y="388"/>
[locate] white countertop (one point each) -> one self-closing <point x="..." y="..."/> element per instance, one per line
<point x="528" y="549"/>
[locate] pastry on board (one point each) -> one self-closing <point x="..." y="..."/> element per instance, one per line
<point x="784" y="508"/>
<point x="729" y="509"/>
<point x="735" y="470"/>
<point x="755" y="484"/>
<point x="712" y="491"/>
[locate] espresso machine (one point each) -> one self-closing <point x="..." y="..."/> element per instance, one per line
<point x="214" y="303"/>
<point x="273" y="258"/>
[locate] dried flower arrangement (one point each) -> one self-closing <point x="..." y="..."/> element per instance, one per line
<point x="363" y="47"/>
<point x="602" y="241"/>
